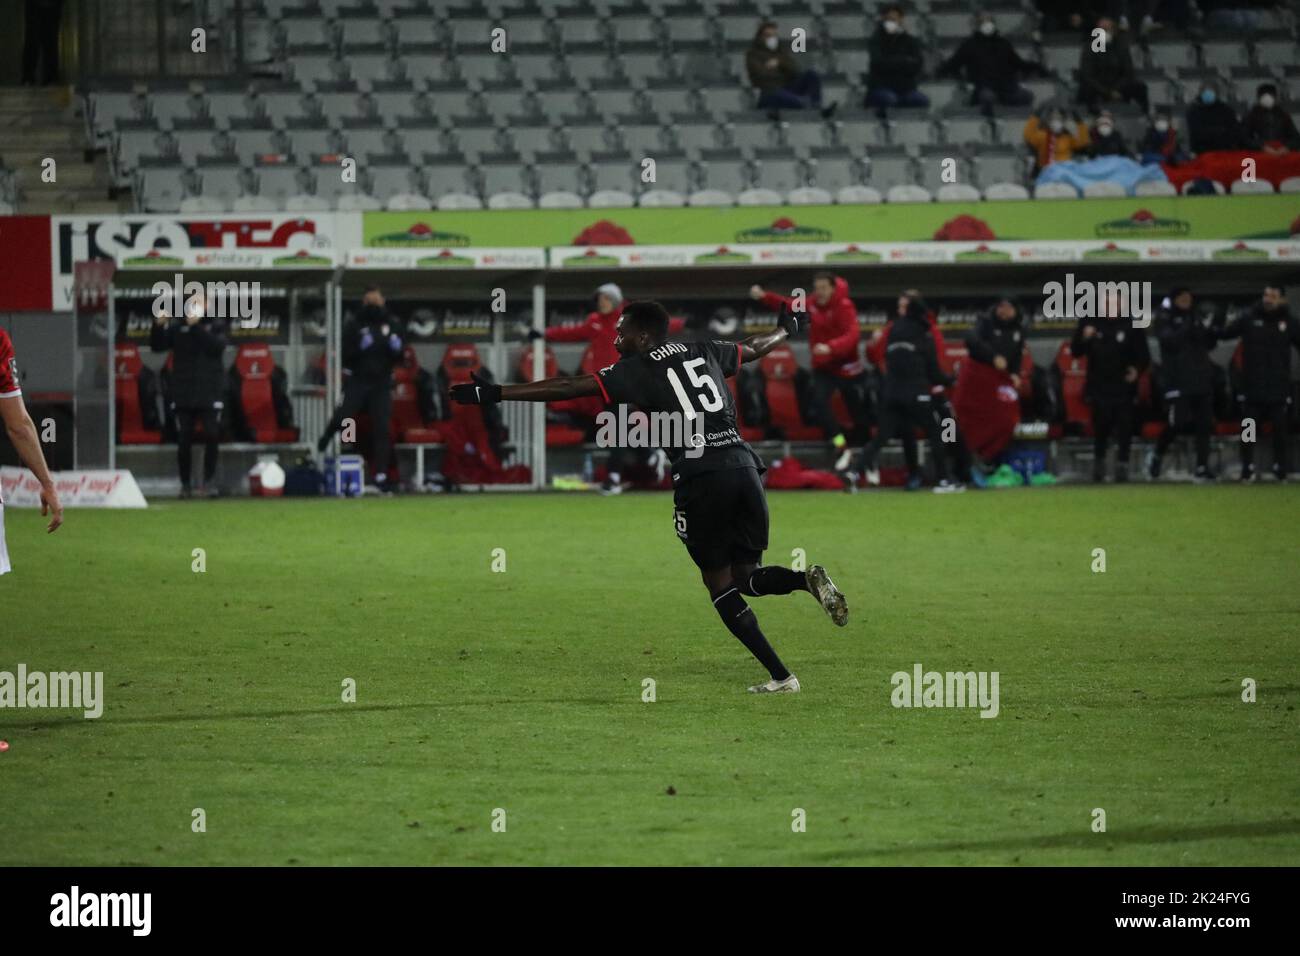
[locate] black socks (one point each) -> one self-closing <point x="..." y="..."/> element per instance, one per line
<point x="772" y="579"/>
<point x="740" y="621"/>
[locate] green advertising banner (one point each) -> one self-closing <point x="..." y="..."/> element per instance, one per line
<point x="1194" y="217"/>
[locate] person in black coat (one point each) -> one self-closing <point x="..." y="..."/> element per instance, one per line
<point x="1117" y="356"/>
<point x="990" y="64"/>
<point x="912" y="374"/>
<point x="1268" y="332"/>
<point x="1267" y="126"/>
<point x="998" y="338"/>
<point x="895" y="63"/>
<point x="372" y="346"/>
<point x="1212" y="124"/>
<point x="1187" y="373"/>
<point x="197" y="384"/>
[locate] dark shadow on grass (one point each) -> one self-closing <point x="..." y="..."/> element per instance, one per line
<point x="74" y="719"/>
<point x="1086" y="840"/>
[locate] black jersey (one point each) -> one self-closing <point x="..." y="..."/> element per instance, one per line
<point x="688" y="381"/>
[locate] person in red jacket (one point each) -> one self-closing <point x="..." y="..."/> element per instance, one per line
<point x="600" y="329"/>
<point x="833" y="337"/>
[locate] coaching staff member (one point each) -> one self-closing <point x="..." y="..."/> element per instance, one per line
<point x="371" y="347"/>
<point x="1186" y="341"/>
<point x="1268" y="332"/>
<point x="197" y="382"/>
<point x="1117" y="355"/>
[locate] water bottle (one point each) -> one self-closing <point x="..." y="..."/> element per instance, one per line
<point x="588" y="469"/>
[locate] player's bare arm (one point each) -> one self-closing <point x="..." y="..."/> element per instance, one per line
<point x="479" y="391"/>
<point x="756" y="346"/>
<point x="22" y="432"/>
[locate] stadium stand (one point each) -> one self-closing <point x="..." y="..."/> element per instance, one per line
<point x="585" y="91"/>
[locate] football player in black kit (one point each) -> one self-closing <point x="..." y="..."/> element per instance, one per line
<point x="719" y="506"/>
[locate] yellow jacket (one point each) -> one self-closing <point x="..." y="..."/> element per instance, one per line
<point x="1062" y="145"/>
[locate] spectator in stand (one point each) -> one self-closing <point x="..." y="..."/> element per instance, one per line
<point x="895" y="63"/>
<point x="372" y="345"/>
<point x="1107" y="76"/>
<point x="1053" y="142"/>
<point x="1160" y="143"/>
<point x="197" y="385"/>
<point x="1067" y="16"/>
<point x="1187" y="373"/>
<point x="41" y="42"/>
<point x="990" y="64"/>
<point x="1104" y="139"/>
<point x="1117" y="356"/>
<point x="1268" y="332"/>
<point x="1267" y="126"/>
<point x="912" y="377"/>
<point x="833" y="335"/>
<point x="1212" y="124"/>
<point x="1233" y="15"/>
<point x="780" y="83"/>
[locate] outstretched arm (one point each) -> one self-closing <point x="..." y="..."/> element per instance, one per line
<point x="756" y="346"/>
<point x="551" y="389"/>
<point x="787" y="323"/>
<point x="479" y="391"/>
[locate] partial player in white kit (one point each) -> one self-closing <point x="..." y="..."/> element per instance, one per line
<point x="22" y="432"/>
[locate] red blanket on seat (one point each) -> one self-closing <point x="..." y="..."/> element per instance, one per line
<point x="987" y="408"/>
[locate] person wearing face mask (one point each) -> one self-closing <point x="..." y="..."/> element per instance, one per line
<point x="1187" y="374"/>
<point x="1267" y="126"/>
<point x="1053" y="141"/>
<point x="1160" y="142"/>
<point x="1108" y="76"/>
<point x="895" y="64"/>
<point x="1268" y="332"/>
<point x="372" y="345"/>
<point x="1104" y="139"/>
<point x="780" y="83"/>
<point x="1212" y="124"/>
<point x="990" y="64"/>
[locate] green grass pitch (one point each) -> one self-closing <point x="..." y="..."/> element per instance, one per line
<point x="522" y="690"/>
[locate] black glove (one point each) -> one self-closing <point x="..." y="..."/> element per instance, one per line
<point x="479" y="391"/>
<point x="534" y="335"/>
<point x="791" y="320"/>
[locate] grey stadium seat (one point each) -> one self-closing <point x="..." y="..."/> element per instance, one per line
<point x="777" y="170"/>
<point x="834" y="168"/>
<point x="889" y="166"/>
<point x="505" y="177"/>
<point x="724" y="170"/>
<point x="999" y="164"/>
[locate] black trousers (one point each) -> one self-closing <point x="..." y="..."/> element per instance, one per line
<point x="898" y="419"/>
<point x="41" y="41"/>
<point x="1275" y="414"/>
<point x="186" y="418"/>
<point x="376" y="400"/>
<point x="824" y="387"/>
<point x="1112" y="418"/>
<point x="1194" y="413"/>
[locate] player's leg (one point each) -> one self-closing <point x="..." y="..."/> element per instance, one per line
<point x="706" y="520"/>
<point x="184" y="447"/>
<point x="4" y="552"/>
<point x="824" y="387"/>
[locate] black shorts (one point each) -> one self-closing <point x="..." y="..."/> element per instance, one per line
<point x="721" y="517"/>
